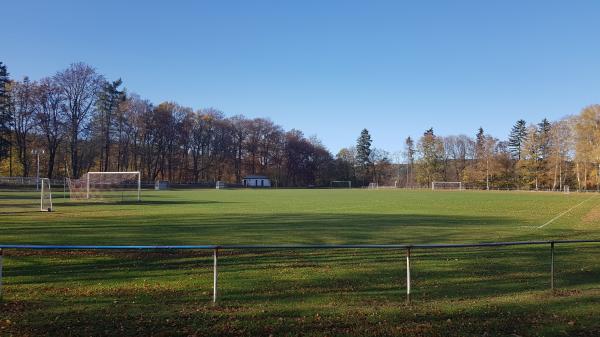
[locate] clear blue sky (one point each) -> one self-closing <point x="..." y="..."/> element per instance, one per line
<point x="328" y="67"/>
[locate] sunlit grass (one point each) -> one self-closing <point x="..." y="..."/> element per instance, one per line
<point x="500" y="291"/>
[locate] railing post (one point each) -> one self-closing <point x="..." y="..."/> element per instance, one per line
<point x="552" y="266"/>
<point x="408" y="274"/>
<point x="215" y="274"/>
<point x="1" y="258"/>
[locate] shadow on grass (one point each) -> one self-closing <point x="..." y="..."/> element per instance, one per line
<point x="109" y="202"/>
<point x="282" y="275"/>
<point x="285" y="293"/>
<point x="279" y="228"/>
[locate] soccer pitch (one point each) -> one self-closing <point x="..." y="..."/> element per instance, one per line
<point x="284" y="292"/>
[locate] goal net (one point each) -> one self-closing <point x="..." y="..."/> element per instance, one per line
<point x="46" y="195"/>
<point x="220" y="185"/>
<point x="373" y="185"/>
<point x="446" y="185"/>
<point x="341" y="184"/>
<point x="115" y="186"/>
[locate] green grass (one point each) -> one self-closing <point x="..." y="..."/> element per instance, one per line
<point x="498" y="291"/>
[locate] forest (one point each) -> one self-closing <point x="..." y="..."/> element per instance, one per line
<point x="76" y="121"/>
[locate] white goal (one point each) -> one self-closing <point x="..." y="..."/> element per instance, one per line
<point x="373" y="186"/>
<point x="122" y="186"/>
<point x="220" y="185"/>
<point x="446" y="185"/>
<point x="45" y="195"/>
<point x="340" y="184"/>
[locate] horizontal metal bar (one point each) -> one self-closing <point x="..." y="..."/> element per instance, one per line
<point x="67" y="247"/>
<point x="291" y="246"/>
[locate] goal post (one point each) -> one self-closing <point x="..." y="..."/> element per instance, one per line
<point x="45" y="195"/>
<point x="373" y="186"/>
<point x="340" y="184"/>
<point x="106" y="185"/>
<point x="446" y="185"/>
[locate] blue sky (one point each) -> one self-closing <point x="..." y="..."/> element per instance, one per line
<point x="328" y="68"/>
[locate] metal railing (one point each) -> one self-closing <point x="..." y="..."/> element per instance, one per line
<point x="215" y="248"/>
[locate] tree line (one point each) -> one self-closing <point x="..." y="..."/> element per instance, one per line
<point x="78" y="121"/>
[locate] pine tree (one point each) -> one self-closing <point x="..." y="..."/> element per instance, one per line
<point x="517" y="138"/>
<point x="109" y="99"/>
<point x="479" y="143"/>
<point x="363" y="152"/>
<point x="5" y="115"/>
<point x="409" y="154"/>
<point x="544" y="128"/>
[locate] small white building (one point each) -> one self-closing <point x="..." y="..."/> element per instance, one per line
<point x="256" y="181"/>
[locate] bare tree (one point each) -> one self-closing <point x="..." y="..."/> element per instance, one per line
<point x="587" y="129"/>
<point x="560" y="147"/>
<point x="50" y="114"/>
<point x="23" y="105"/>
<point x="80" y="85"/>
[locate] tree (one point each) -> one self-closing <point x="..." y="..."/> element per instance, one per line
<point x="460" y="151"/>
<point x="516" y="138"/>
<point x="479" y="143"/>
<point x="545" y="150"/>
<point x="346" y="164"/>
<point x="107" y="105"/>
<point x="431" y="150"/>
<point x="5" y="112"/>
<point x="49" y="117"/>
<point x="80" y="85"/>
<point x="23" y="111"/>
<point x="409" y="154"/>
<point x="561" y="147"/>
<point x="529" y="165"/>
<point x="587" y="134"/>
<point x="482" y="168"/>
<point x="363" y="153"/>
<point x="381" y="166"/>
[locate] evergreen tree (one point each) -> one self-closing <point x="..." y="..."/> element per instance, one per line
<point x="544" y="128"/>
<point x="5" y="115"/>
<point x="363" y="152"/>
<point x="109" y="99"/>
<point x="409" y="153"/>
<point x="517" y="138"/>
<point x="479" y="144"/>
<point x="529" y="165"/>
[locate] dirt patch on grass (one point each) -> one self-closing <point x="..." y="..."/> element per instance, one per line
<point x="593" y="216"/>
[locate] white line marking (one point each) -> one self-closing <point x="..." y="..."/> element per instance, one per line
<point x="565" y="212"/>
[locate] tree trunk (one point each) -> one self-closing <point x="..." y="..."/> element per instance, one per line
<point x="555" y="175"/>
<point x="578" y="176"/>
<point x="51" y="158"/>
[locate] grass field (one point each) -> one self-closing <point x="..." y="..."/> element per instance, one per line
<point x="493" y="291"/>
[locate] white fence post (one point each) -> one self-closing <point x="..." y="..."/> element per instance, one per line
<point x="552" y="266"/>
<point x="1" y="258"/>
<point x="408" y="274"/>
<point x="215" y="274"/>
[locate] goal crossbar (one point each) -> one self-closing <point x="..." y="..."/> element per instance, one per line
<point x="447" y="185"/>
<point x="335" y="183"/>
<point x="139" y="180"/>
